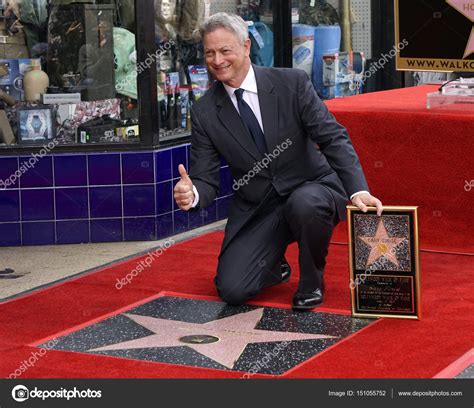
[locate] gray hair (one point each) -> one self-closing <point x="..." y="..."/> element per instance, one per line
<point x="229" y="22"/>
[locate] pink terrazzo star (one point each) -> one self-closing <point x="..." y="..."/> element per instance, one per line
<point x="382" y="245"/>
<point x="234" y="333"/>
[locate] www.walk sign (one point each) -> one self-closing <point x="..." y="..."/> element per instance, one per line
<point x="439" y="35"/>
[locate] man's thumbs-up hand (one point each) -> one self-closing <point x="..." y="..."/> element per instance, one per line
<point x="183" y="190"/>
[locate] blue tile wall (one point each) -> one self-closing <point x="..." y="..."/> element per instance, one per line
<point x="137" y="168"/>
<point x="138" y="200"/>
<point x="164" y="225"/>
<point x="36" y="174"/>
<point x="8" y="168"/>
<point x="106" y="197"/>
<point x="70" y="170"/>
<point x="195" y="219"/>
<point x="38" y="233"/>
<point x="72" y="203"/>
<point x="140" y="229"/>
<point x="180" y="221"/>
<point x="106" y="230"/>
<point x="9" y="205"/>
<point x="72" y="232"/>
<point x="105" y="202"/>
<point x="164" y="197"/>
<point x="10" y="234"/>
<point x="178" y="156"/>
<point x="37" y="205"/>
<point x="209" y="214"/>
<point x="104" y="169"/>
<point x="163" y="165"/>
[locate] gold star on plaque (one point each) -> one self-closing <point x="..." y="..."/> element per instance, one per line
<point x="382" y="246"/>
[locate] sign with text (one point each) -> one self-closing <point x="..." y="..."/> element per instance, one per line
<point x="439" y="33"/>
<point x="384" y="262"/>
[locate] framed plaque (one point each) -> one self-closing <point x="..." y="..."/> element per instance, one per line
<point x="35" y="124"/>
<point x="384" y="262"/>
<point x="434" y="35"/>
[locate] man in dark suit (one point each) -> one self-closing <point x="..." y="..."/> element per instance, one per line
<point x="294" y="168"/>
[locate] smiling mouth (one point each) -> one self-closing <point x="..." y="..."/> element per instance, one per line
<point x="222" y="68"/>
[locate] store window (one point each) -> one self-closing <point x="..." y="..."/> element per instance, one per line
<point x="332" y="42"/>
<point x="68" y="73"/>
<point x="182" y="74"/>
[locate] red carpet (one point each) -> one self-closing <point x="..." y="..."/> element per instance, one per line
<point x="411" y="156"/>
<point x="415" y="156"/>
<point x="390" y="348"/>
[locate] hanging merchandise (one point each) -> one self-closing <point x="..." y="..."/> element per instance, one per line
<point x="124" y="15"/>
<point x="165" y="20"/>
<point x="265" y="10"/>
<point x="261" y="51"/>
<point x="317" y="12"/>
<point x="33" y="16"/>
<point x="165" y="33"/>
<point x="125" y="62"/>
<point x="191" y="14"/>
<point x="249" y="10"/>
<point x="303" y="47"/>
<point x="80" y="50"/>
<point x="13" y="44"/>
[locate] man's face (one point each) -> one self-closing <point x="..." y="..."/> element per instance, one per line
<point x="227" y="60"/>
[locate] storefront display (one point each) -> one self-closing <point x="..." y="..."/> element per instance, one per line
<point x="80" y="50"/>
<point x="89" y="55"/>
<point x="94" y="54"/>
<point x="177" y="27"/>
<point x="63" y="57"/>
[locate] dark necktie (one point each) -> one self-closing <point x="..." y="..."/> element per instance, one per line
<point x="251" y="122"/>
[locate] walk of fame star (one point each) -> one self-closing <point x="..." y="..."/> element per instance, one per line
<point x="210" y="334"/>
<point x="382" y="245"/>
<point x="466" y="8"/>
<point x="234" y="333"/>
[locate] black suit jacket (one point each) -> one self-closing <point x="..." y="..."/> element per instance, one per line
<point x="320" y="148"/>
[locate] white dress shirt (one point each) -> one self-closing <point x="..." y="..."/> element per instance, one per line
<point x="250" y="96"/>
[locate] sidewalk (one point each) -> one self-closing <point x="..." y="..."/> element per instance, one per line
<point x="28" y="268"/>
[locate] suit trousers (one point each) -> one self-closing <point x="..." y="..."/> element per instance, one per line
<point x="251" y="261"/>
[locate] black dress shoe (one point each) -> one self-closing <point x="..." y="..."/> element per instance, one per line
<point x="285" y="269"/>
<point x="307" y="301"/>
<point x="285" y="273"/>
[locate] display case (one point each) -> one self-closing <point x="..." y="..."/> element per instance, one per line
<point x="181" y="67"/>
<point x="75" y="60"/>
